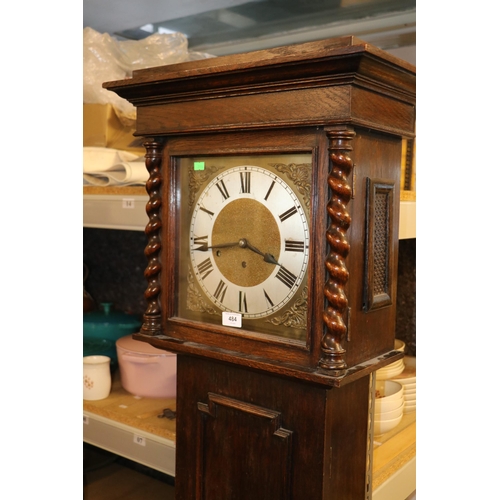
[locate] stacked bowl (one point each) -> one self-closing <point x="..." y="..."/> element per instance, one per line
<point x="408" y="379"/>
<point x="389" y="406"/>
<point x="394" y="369"/>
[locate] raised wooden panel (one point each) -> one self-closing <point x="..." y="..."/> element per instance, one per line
<point x="233" y="434"/>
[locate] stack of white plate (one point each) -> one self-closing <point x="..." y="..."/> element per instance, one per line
<point x="389" y="406"/>
<point x="408" y="379"/>
<point x="390" y="372"/>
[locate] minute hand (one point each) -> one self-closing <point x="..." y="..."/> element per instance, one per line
<point x="267" y="256"/>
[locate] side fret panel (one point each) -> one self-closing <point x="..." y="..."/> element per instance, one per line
<point x="378" y="251"/>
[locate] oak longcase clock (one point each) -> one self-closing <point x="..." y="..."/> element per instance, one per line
<point x="272" y="249"/>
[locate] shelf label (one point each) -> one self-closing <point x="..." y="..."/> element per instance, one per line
<point x="128" y="203"/>
<point x="140" y="440"/>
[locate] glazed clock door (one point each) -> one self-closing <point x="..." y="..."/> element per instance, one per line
<point x="245" y="242"/>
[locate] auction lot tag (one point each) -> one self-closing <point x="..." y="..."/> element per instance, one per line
<point x="231" y="319"/>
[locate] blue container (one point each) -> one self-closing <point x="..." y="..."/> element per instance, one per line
<point x="102" y="328"/>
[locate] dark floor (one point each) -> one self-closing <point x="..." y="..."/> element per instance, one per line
<point x="109" y="477"/>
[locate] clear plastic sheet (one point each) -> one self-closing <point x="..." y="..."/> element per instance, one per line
<point x="107" y="59"/>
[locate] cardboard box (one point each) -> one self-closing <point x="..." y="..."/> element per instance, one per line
<point x="102" y="128"/>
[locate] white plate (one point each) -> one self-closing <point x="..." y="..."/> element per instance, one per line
<point x="409" y="374"/>
<point x="405" y="381"/>
<point x="392" y="366"/>
<point x="390" y="374"/>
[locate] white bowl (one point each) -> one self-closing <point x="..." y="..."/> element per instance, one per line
<point x="382" y="426"/>
<point x="409" y="392"/>
<point x="391" y="414"/>
<point x="389" y="396"/>
<point x="409" y="374"/>
<point x="399" y="345"/>
<point x="388" y="389"/>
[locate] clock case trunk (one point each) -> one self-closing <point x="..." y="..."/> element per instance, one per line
<point x="284" y="419"/>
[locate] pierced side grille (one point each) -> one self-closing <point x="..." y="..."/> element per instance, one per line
<point x="378" y="245"/>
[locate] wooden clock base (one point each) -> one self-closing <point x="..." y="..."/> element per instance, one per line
<point x="247" y="435"/>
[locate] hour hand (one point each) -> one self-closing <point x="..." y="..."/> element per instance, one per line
<point x="267" y="256"/>
<point x="204" y="247"/>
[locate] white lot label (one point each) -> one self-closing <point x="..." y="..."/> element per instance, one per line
<point x="231" y="319"/>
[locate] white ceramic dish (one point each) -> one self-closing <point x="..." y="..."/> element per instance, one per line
<point x="382" y="406"/>
<point x="392" y="366"/>
<point x="409" y="374"/>
<point x="407" y="386"/>
<point x="389" y="396"/>
<point x="410" y="408"/>
<point x="409" y="392"/>
<point x="388" y="389"/>
<point x="399" y="345"/>
<point x="389" y="374"/>
<point x="381" y="427"/>
<point x="391" y="414"/>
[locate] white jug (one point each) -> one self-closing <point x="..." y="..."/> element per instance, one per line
<point x="96" y="377"/>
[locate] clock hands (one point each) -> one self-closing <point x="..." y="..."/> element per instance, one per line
<point x="242" y="243"/>
<point x="205" y="247"/>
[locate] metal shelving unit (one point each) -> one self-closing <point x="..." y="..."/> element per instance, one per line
<point x="115" y="211"/>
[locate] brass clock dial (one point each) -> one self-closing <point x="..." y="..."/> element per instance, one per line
<point x="248" y="245"/>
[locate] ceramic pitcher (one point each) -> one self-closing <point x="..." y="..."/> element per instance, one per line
<point x="96" y="377"/>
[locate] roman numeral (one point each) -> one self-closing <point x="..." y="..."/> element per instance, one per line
<point x="205" y="268"/>
<point x="286" y="277"/>
<point x="285" y="215"/>
<point x="245" y="182"/>
<point x="201" y="240"/>
<point x="223" y="190"/>
<point x="268" y="299"/>
<point x="243" y="302"/>
<point x="220" y="291"/>
<point x="269" y="190"/>
<point x="294" y="246"/>
<point x="203" y="209"/>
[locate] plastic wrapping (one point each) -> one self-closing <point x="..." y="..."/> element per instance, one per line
<point x="107" y="59"/>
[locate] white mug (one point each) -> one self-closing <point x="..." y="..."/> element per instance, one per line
<point x="96" y="377"/>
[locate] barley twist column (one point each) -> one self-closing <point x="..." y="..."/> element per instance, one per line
<point x="332" y="350"/>
<point x="152" y="317"/>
